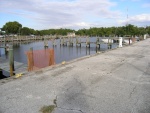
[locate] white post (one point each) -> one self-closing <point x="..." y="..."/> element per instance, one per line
<point x="112" y="41"/>
<point x="144" y="36"/>
<point x="120" y="41"/>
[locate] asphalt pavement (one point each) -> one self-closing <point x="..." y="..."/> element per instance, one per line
<point x="116" y="81"/>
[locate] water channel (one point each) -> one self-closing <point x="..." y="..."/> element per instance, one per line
<point x="62" y="53"/>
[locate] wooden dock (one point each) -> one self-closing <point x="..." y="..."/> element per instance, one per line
<point x="19" y="67"/>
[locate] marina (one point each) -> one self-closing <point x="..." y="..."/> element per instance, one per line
<point x="65" y="49"/>
<point x="97" y="79"/>
<point x="62" y="56"/>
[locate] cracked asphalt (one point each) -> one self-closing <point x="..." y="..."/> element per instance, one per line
<point x="117" y="81"/>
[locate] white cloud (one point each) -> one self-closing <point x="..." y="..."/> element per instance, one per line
<point x="75" y="14"/>
<point x="53" y="13"/>
<point x="142" y="20"/>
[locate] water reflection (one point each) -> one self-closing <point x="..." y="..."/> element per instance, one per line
<point x="62" y="53"/>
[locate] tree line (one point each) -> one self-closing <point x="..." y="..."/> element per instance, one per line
<point x="16" y="28"/>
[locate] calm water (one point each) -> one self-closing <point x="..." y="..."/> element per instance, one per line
<point x="62" y="53"/>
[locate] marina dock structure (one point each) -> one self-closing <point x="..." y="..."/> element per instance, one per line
<point x="8" y="64"/>
<point x="64" y="40"/>
<point x="18" y="66"/>
<point x="78" y="42"/>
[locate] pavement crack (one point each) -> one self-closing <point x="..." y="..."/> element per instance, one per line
<point x="55" y="101"/>
<point x="71" y="109"/>
<point x="131" y="93"/>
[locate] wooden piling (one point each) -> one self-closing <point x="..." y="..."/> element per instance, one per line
<point x="97" y="43"/>
<point x="99" y="46"/>
<point x="54" y="42"/>
<point x="45" y="43"/>
<point x="77" y="41"/>
<point x="63" y="42"/>
<point x="60" y="41"/>
<point x="11" y="60"/>
<point x="31" y="60"/>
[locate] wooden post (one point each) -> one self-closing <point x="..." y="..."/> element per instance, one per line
<point x="86" y="41"/>
<point x="60" y="41"/>
<point x="97" y="42"/>
<point x="32" y="60"/>
<point x="45" y="43"/>
<point x="6" y="49"/>
<point x="109" y="43"/>
<point x="53" y="42"/>
<point x="63" y="42"/>
<point x="76" y="41"/>
<point x="89" y="41"/>
<point x="129" y="40"/>
<point x="11" y="60"/>
<point x="110" y="46"/>
<point x="52" y="58"/>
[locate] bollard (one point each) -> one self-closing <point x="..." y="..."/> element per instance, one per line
<point x="11" y="60"/>
<point x="120" y="41"/>
<point x="144" y="36"/>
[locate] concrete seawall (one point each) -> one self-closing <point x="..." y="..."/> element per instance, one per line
<point x="116" y="81"/>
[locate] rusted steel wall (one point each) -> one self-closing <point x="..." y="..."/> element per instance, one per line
<point x="38" y="59"/>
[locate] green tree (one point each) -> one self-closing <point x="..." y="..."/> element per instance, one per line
<point x="148" y="30"/>
<point x="25" y="31"/>
<point x="12" y="27"/>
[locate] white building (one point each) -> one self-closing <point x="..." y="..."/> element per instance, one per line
<point x="71" y="34"/>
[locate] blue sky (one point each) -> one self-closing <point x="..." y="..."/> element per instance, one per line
<point x="75" y="14"/>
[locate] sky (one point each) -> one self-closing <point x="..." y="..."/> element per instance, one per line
<point x="75" y="14"/>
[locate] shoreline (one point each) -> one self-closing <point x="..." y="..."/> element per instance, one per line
<point x="24" y="74"/>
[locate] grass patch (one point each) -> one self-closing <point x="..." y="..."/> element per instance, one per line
<point x="47" y="109"/>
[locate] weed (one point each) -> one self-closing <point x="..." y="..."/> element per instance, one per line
<point x="47" y="109"/>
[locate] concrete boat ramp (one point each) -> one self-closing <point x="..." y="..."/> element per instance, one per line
<point x="117" y="81"/>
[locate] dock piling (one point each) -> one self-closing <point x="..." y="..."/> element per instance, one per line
<point x="45" y="43"/>
<point x="11" y="60"/>
<point x="129" y="40"/>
